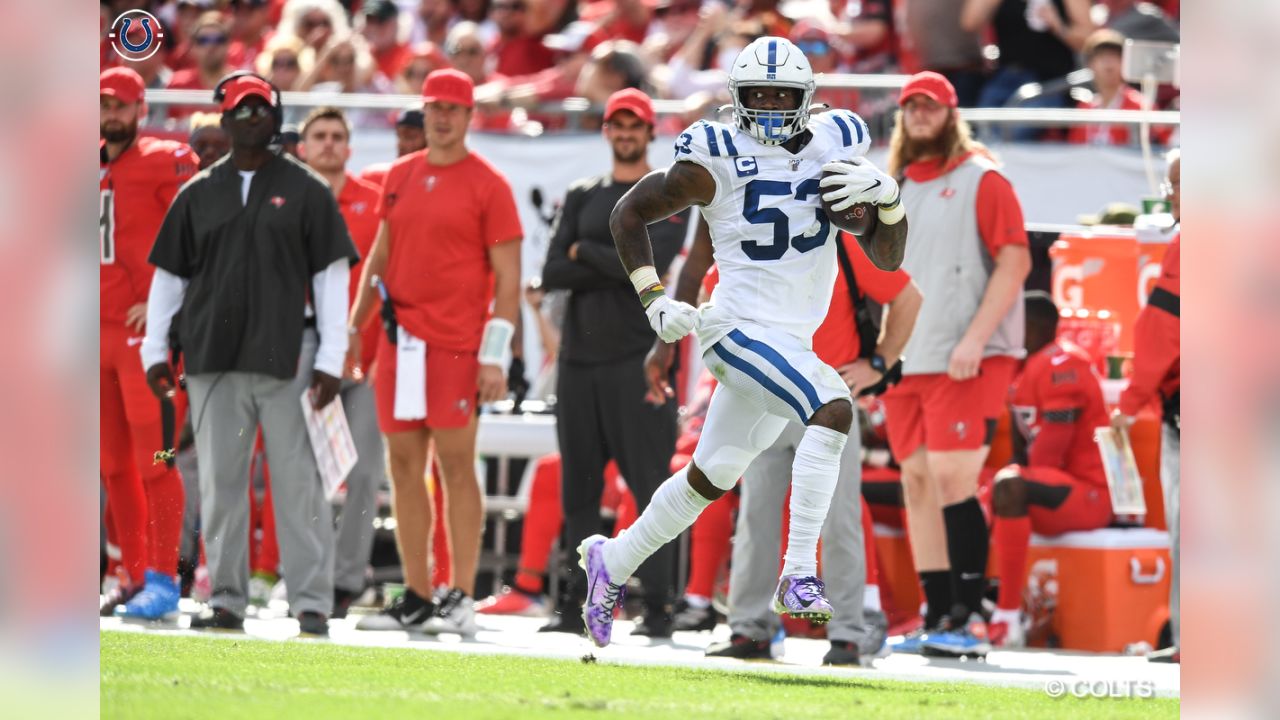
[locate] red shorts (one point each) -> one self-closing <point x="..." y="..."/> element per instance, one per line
<point x="1087" y="507"/>
<point x="942" y="414"/>
<point x="130" y="420"/>
<point x="451" y="388"/>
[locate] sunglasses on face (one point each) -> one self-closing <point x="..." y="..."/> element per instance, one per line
<point x="204" y="40"/>
<point x="512" y="7"/>
<point x="244" y="112"/>
<point x="814" y="47"/>
<point x="284" y="63"/>
<point x="476" y="50"/>
<point x="343" y="59"/>
<point x="313" y="23"/>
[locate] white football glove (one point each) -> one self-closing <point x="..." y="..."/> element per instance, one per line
<point x="858" y="181"/>
<point x="671" y="319"/>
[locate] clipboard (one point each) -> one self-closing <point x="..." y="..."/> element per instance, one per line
<point x="331" y="442"/>
<point x="1123" y="480"/>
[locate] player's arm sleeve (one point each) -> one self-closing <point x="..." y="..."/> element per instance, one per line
<point x="1000" y="219"/>
<point x="163" y="302"/>
<point x="324" y="230"/>
<point x="559" y="272"/>
<point x="1157" y="336"/>
<point x="329" y="293"/>
<point x="701" y="143"/>
<point x="845" y="131"/>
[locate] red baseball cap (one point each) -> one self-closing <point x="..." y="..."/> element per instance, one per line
<point x="450" y="86"/>
<point x="245" y="86"/>
<point x="123" y="84"/>
<point x="931" y="85"/>
<point x="633" y="100"/>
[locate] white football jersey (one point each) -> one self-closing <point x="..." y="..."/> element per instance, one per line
<point x="774" y="245"/>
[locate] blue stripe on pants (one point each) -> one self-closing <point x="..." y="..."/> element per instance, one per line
<point x="774" y="358"/>
<point x="765" y="381"/>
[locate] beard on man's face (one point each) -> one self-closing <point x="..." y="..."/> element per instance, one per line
<point x="629" y="153"/>
<point x="114" y="131"/>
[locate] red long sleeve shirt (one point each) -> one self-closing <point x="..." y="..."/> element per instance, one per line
<point x="1156" y="356"/>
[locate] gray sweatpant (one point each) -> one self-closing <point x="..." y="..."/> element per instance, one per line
<point x="757" y="542"/>
<point x="226" y="409"/>
<point x="355" y="523"/>
<point x="1170" y="480"/>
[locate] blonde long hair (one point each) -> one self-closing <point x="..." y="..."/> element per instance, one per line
<point x="955" y="141"/>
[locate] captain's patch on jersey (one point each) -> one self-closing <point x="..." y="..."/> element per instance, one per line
<point x="746" y="166"/>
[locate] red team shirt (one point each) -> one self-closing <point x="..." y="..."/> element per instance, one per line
<point x="135" y="191"/>
<point x="358" y="203"/>
<point x="443" y="220"/>
<point x="836" y="340"/>
<point x="1057" y="404"/>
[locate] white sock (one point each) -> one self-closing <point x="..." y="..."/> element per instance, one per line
<point x="813" y="480"/>
<point x="698" y="601"/>
<point x="871" y="598"/>
<point x="1012" y="617"/>
<point x="673" y="508"/>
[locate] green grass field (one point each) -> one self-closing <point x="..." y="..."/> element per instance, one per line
<point x="157" y="676"/>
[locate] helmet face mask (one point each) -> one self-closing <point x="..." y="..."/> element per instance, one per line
<point x="771" y="62"/>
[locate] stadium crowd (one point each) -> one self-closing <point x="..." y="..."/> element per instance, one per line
<point x="526" y="54"/>
<point x="483" y="66"/>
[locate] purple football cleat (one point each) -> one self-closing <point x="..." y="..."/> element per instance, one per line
<point x="801" y="596"/>
<point x="603" y="595"/>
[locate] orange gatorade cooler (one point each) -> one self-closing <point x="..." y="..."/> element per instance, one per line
<point x="897" y="569"/>
<point x="1099" y="591"/>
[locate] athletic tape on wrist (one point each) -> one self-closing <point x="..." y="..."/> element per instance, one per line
<point x="495" y="345"/>
<point x="644" y="278"/>
<point x="893" y="212"/>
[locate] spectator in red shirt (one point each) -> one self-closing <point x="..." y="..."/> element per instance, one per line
<point x="283" y="62"/>
<point x="188" y="15"/>
<point x="814" y="39"/>
<point x="1057" y="483"/>
<point x="209" y="50"/>
<point x="1102" y="53"/>
<point x="619" y="20"/>
<point x="250" y="31"/>
<point x="465" y="50"/>
<point x="1157" y="371"/>
<point x="424" y="59"/>
<point x="516" y="51"/>
<point x="380" y="27"/>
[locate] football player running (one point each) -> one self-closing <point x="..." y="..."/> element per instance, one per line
<point x="761" y="183"/>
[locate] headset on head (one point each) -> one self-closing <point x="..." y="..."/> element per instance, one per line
<point x="277" y="111"/>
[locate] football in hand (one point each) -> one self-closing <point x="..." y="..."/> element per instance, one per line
<point x="856" y="219"/>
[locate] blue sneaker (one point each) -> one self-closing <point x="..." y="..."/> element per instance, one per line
<point x="802" y="597"/>
<point x="910" y="643"/>
<point x="970" y="640"/>
<point x="604" y="595"/>
<point x="157" y="601"/>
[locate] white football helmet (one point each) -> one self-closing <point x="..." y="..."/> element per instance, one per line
<point x="775" y="62"/>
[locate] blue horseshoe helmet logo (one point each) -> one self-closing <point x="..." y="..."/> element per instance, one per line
<point x="124" y="35"/>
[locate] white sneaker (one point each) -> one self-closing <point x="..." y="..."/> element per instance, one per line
<point x="455" y="614"/>
<point x="260" y="589"/>
<point x="1007" y="629"/>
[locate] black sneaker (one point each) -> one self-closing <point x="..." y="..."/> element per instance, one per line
<point x="217" y="619"/>
<point x="406" y="612"/>
<point x="690" y="618"/>
<point x="841" y="653"/>
<point x="313" y="623"/>
<point x="566" y="619"/>
<point x="342" y="600"/>
<point x="742" y="647"/>
<point x="119" y="595"/>
<point x="655" y="624"/>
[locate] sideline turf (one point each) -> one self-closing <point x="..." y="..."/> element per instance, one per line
<point x="159" y="676"/>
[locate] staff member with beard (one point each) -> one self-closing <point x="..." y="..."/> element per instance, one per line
<point x="602" y="413"/>
<point x="240" y="249"/>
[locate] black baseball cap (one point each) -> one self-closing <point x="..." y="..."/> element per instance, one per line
<point x="380" y="10"/>
<point x="411" y="117"/>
